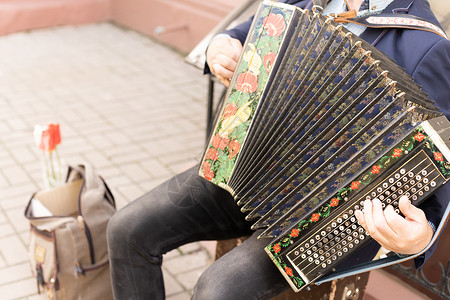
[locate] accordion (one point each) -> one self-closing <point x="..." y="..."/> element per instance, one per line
<point x="315" y="121"/>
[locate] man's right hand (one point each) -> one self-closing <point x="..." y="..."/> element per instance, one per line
<point x="222" y="57"/>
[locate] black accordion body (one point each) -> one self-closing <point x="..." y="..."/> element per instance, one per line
<point x="314" y="122"/>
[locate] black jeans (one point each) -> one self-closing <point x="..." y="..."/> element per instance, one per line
<point x="182" y="210"/>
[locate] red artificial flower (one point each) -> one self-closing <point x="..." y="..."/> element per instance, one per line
<point x="288" y="271"/>
<point x="295" y="232"/>
<point x="315" y="217"/>
<point x="50" y="138"/>
<point x="212" y="154"/>
<point x="277" y="248"/>
<point x="268" y="61"/>
<point x="334" y="202"/>
<point x="234" y="148"/>
<point x="207" y="172"/>
<point x="355" y="185"/>
<point x="375" y="170"/>
<point x="397" y="152"/>
<point x="419" y="137"/>
<point x="219" y="142"/>
<point x="438" y="156"/>
<point x="247" y="82"/>
<point x="274" y="24"/>
<point x="230" y="110"/>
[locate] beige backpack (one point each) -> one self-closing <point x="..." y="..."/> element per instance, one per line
<point x="68" y="250"/>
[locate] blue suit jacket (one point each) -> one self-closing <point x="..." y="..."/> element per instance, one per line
<point x="424" y="55"/>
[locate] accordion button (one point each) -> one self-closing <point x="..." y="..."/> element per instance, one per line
<point x="352" y="219"/>
<point x="398" y="184"/>
<point x="355" y="234"/>
<point x="334" y="257"/>
<point x="348" y="231"/>
<point x="339" y="253"/>
<point x="424" y="172"/>
<point x="407" y="194"/>
<point x="397" y="210"/>
<point x="311" y="241"/>
<point x="418" y="178"/>
<point x="433" y="183"/>
<point x="308" y="252"/>
<point x="361" y="237"/>
<point x="324" y="265"/>
<point x="410" y="174"/>
<point x="413" y="190"/>
<point x="414" y="198"/>
<point x="403" y="171"/>
<point x="350" y="212"/>
<point x="345" y="216"/>
<point x="400" y="191"/>
<point x="328" y="261"/>
<point x="334" y="224"/>
<point x="328" y="229"/>
<point x="380" y="189"/>
<point x="339" y="220"/>
<point x="317" y="237"/>
<point x="344" y="243"/>
<point x="315" y="255"/>
<point x="394" y="196"/>
<point x="387" y="193"/>
<point x="345" y="249"/>
<point x="425" y="180"/>
<point x="349" y="238"/>
<point x="350" y="246"/>
<point x="314" y="248"/>
<point x="419" y="185"/>
<point x="332" y="243"/>
<point x="397" y="176"/>
<point x="303" y="256"/>
<point x="405" y="179"/>
<point x="357" y="207"/>
<point x="325" y="240"/>
<point x="306" y="245"/>
<point x="370" y="198"/>
<point x="420" y="193"/>
<point x="393" y="188"/>
<point x="302" y="249"/>
<point x="317" y="262"/>
<point x="323" y="233"/>
<point x="327" y="254"/>
<point x="319" y="244"/>
<point x="426" y="188"/>
<point x="412" y="182"/>
<point x="388" y="200"/>
<point x="356" y="242"/>
<point x="322" y="258"/>
<point x="343" y="235"/>
<point x="391" y="180"/>
<point x="310" y="259"/>
<point x="381" y="197"/>
<point x="296" y="253"/>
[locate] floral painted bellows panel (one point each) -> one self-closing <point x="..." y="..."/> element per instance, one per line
<point x="313" y="116"/>
<point x="245" y="92"/>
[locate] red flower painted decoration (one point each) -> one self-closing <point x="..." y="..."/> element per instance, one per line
<point x="438" y="156"/>
<point x="219" y="142"/>
<point x="375" y="169"/>
<point x="247" y="82"/>
<point x="295" y="232"/>
<point x="230" y="110"/>
<point x="315" y="217"/>
<point x="233" y="148"/>
<point x="355" y="185"/>
<point x="419" y="137"/>
<point x="207" y="172"/>
<point x="334" y="202"/>
<point x="274" y="24"/>
<point x="268" y="61"/>
<point x="397" y="152"/>
<point x="277" y="248"/>
<point x="212" y="154"/>
<point x="288" y="271"/>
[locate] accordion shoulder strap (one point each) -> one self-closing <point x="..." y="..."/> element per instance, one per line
<point x="394" y="21"/>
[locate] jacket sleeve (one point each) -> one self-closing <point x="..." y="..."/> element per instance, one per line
<point x="433" y="74"/>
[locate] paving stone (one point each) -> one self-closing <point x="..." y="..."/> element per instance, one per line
<point x="189" y="279"/>
<point x="15" y="273"/>
<point x="171" y="285"/>
<point x="13" y="250"/>
<point x="187" y="263"/>
<point x="18" y="289"/>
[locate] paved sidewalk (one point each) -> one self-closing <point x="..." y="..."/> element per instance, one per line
<point x="127" y="105"/>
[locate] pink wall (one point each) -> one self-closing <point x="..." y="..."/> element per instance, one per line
<point x="185" y="22"/>
<point x="19" y="15"/>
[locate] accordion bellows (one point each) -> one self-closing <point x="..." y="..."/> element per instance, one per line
<point x="310" y="108"/>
